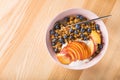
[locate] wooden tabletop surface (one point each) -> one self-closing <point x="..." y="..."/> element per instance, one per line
<point x="23" y="52"/>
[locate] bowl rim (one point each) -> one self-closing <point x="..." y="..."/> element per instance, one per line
<point x="102" y="52"/>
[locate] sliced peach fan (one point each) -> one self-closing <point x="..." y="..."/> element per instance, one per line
<point x="74" y="51"/>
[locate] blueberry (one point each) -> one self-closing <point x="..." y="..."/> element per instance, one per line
<point x="80" y="17"/>
<point x="81" y="35"/>
<point x="89" y="30"/>
<point x="57" y="27"/>
<point x="61" y="40"/>
<point x="76" y="32"/>
<point x="65" y="36"/>
<point x="97" y="27"/>
<point x="87" y="23"/>
<point x="56" y="35"/>
<point x="66" y="19"/>
<point x="85" y="38"/>
<point x="54" y="40"/>
<point x="52" y="32"/>
<point x="77" y="26"/>
<point x="82" y="30"/>
<point x="100" y="46"/>
<point x="56" y="50"/>
<point x="71" y="30"/>
<point x="53" y="43"/>
<point x="71" y="37"/>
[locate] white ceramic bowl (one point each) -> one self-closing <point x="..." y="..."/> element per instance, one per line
<point x="89" y="15"/>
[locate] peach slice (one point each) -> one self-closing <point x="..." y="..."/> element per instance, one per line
<point x="74" y="47"/>
<point x="79" y="46"/>
<point x="86" y="49"/>
<point x="63" y="58"/>
<point x="68" y="52"/>
<point x="92" y="46"/>
<point x="96" y="37"/>
<point x="72" y="51"/>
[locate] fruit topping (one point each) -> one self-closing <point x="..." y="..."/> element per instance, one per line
<point x="77" y="26"/>
<point x="64" y="58"/>
<point x="100" y="46"/>
<point x="76" y="51"/>
<point x="52" y="32"/>
<point x="97" y="27"/>
<point x="92" y="46"/>
<point x="96" y="37"/>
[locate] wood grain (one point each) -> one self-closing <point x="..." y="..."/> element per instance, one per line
<point x="23" y="52"/>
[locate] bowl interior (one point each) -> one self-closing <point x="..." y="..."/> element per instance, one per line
<point x="89" y="15"/>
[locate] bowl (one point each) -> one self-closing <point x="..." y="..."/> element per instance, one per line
<point x="90" y="15"/>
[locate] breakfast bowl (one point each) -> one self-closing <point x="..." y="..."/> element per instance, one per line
<point x="77" y="52"/>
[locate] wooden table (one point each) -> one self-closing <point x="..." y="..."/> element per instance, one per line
<point x="23" y="52"/>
